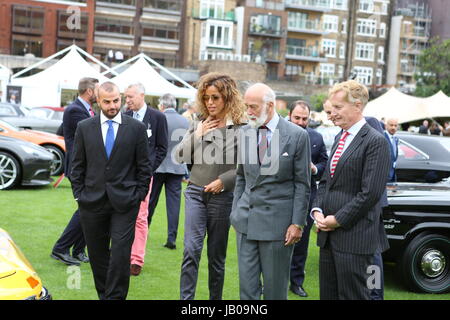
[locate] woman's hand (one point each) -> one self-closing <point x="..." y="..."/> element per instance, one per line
<point x="215" y="187"/>
<point x="206" y="126"/>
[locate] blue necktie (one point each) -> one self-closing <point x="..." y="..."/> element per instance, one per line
<point x="109" y="142"/>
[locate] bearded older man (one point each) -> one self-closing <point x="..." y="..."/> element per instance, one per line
<point x="270" y="198"/>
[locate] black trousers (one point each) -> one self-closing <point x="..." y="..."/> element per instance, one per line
<point x="109" y="237"/>
<point x="173" y="198"/>
<point x="72" y="237"/>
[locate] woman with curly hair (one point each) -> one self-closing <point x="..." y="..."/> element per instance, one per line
<point x="210" y="148"/>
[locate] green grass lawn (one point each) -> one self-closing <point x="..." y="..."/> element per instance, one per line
<point x="35" y="218"/>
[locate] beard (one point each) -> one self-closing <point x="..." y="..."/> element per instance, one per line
<point x="256" y="122"/>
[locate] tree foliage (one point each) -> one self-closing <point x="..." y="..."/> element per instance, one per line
<point x="317" y="101"/>
<point x="434" y="69"/>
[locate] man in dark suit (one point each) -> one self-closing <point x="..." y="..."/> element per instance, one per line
<point x="299" y="113"/>
<point x="425" y="127"/>
<point x="156" y="125"/>
<point x="169" y="173"/>
<point x="391" y="129"/>
<point x="80" y="109"/>
<point x="347" y="210"/>
<point x="110" y="175"/>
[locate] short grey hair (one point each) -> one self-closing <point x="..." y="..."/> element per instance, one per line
<point x="86" y="83"/>
<point x="138" y="86"/>
<point x="168" y="101"/>
<point x="269" y="96"/>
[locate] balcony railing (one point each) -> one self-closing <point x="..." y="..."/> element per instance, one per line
<point x="269" y="5"/>
<point x="313" y="5"/>
<point x="211" y="14"/>
<point x="313" y="79"/>
<point x="258" y="29"/>
<point x="304" y="53"/>
<point x="310" y="26"/>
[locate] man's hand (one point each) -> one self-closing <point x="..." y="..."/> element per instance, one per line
<point x="313" y="168"/>
<point x="328" y="223"/>
<point x="293" y="235"/>
<point x="215" y="187"/>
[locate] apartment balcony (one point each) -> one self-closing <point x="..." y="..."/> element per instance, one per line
<point x="269" y="5"/>
<point x="265" y="56"/>
<point x="304" y="54"/>
<point x="264" y="30"/>
<point x="407" y="71"/>
<point x="213" y="15"/>
<point x="310" y="5"/>
<point x="307" y="26"/>
<point x="313" y="79"/>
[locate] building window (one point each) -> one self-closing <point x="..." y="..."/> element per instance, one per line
<point x="366" y="27"/>
<point x="160" y="31"/>
<point x="172" y="5"/>
<point x="212" y="8"/>
<point x="267" y="49"/>
<point x="298" y="20"/>
<point x="77" y="33"/>
<point x="330" y="23"/>
<point x="219" y="34"/>
<point x="22" y="45"/>
<point x="113" y="26"/>
<point x="344" y="26"/>
<point x="366" y="6"/>
<point x="293" y="69"/>
<point x="265" y="24"/>
<point x="365" y="51"/>
<point x="381" y="54"/>
<point x="383" y="30"/>
<point x="364" y="75"/>
<point x="379" y="77"/>
<point x="342" y="51"/>
<point x="28" y="20"/>
<point x="329" y="47"/>
<point x="340" y="71"/>
<point x="327" y="70"/>
<point x="340" y="4"/>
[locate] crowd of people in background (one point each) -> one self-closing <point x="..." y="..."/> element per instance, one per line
<point x="268" y="177"/>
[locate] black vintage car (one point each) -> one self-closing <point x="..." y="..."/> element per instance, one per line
<point x="417" y="223"/>
<point x="24" y="163"/>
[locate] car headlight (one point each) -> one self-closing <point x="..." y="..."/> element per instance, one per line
<point x="38" y="152"/>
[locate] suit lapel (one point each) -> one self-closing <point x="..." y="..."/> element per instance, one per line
<point x="97" y="136"/>
<point x="356" y="142"/>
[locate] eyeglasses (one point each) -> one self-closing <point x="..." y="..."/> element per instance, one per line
<point x="213" y="97"/>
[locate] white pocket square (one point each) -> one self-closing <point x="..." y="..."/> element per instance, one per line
<point x="285" y="154"/>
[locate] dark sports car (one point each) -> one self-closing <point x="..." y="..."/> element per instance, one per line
<point x="24" y="163"/>
<point x="19" y="116"/>
<point x="417" y="223"/>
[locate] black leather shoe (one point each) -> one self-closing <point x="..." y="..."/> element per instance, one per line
<point x="170" y="245"/>
<point x="298" y="291"/>
<point x="65" y="258"/>
<point x="82" y="257"/>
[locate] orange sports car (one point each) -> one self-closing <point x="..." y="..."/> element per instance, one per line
<point x="53" y="143"/>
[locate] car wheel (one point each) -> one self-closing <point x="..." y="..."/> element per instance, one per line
<point x="425" y="265"/>
<point x="58" y="166"/>
<point x="9" y="171"/>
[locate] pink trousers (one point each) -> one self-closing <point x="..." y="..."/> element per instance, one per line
<point x="141" y="231"/>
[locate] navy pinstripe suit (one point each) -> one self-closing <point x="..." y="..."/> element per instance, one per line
<point x="353" y="197"/>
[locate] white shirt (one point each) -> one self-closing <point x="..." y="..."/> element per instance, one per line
<point x="117" y="120"/>
<point x="141" y="112"/>
<point x="352" y="132"/>
<point x="271" y="126"/>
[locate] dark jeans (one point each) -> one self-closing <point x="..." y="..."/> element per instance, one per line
<point x="205" y="213"/>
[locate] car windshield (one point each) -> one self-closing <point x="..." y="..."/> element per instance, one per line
<point x="8" y="126"/>
<point x="445" y="142"/>
<point x="40" y="113"/>
<point x="7" y="110"/>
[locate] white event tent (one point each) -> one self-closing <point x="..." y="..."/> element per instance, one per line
<point x="395" y="104"/>
<point x="155" y="84"/>
<point x="44" y="88"/>
<point x="5" y="73"/>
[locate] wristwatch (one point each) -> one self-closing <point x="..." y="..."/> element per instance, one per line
<point x="299" y="226"/>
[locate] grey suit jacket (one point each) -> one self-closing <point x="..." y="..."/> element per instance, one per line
<point x="177" y="126"/>
<point x="353" y="194"/>
<point x="265" y="206"/>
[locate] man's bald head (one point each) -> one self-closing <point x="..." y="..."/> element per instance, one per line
<point x="392" y="125"/>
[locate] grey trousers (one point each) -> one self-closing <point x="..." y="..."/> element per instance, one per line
<point x="205" y="213"/>
<point x="270" y="260"/>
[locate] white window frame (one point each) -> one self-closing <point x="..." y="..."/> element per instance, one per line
<point x="379" y="77"/>
<point x="364" y="75"/>
<point x="342" y="51"/>
<point x="217" y="5"/>
<point x="366" y="6"/>
<point x="329" y="47"/>
<point x="219" y="26"/>
<point x="342" y="6"/>
<point x="364" y="51"/>
<point x="327" y="69"/>
<point x="330" y="23"/>
<point x="344" y="25"/>
<point x="380" y="54"/>
<point x="382" y="30"/>
<point x="366" y="27"/>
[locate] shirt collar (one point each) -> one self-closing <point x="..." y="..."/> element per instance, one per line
<point x="117" y="118"/>
<point x="354" y="129"/>
<point x="141" y="111"/>
<point x="272" y="124"/>
<point x="85" y="104"/>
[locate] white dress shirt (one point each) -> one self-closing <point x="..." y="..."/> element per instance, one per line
<point x="141" y="112"/>
<point x="271" y="126"/>
<point x="117" y="120"/>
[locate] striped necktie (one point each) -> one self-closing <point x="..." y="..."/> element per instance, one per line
<point x="338" y="152"/>
<point x="263" y="143"/>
